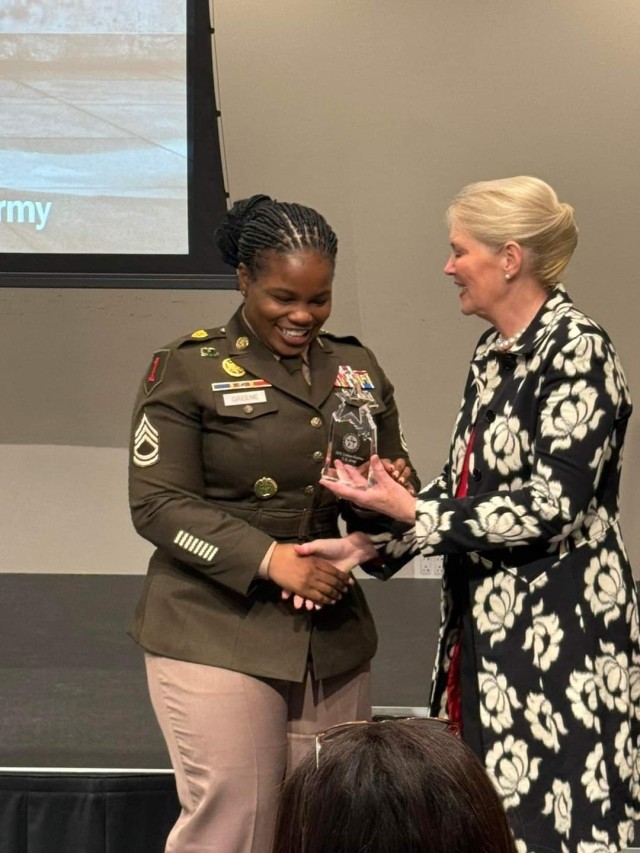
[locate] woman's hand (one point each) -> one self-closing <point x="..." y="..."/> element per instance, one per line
<point x="387" y="496"/>
<point x="345" y="554"/>
<point x="400" y="471"/>
<point x="312" y="578"/>
<point x="299" y="602"/>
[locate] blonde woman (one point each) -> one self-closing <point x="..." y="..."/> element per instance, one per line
<point x="538" y="656"/>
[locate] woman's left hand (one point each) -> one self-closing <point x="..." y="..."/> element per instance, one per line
<point x="387" y="496"/>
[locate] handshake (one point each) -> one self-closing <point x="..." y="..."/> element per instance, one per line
<point x="319" y="572"/>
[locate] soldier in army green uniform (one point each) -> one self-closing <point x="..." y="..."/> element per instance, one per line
<point x="229" y="437"/>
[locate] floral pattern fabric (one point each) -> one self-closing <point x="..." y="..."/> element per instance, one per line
<point x="536" y="568"/>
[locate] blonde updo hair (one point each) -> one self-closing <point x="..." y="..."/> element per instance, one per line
<point x="523" y="209"/>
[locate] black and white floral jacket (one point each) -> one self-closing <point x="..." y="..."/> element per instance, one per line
<point x="537" y="575"/>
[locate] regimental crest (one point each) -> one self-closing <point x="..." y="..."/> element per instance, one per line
<point x="146" y="444"/>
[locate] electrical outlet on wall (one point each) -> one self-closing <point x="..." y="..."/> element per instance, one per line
<point x="428" y="567"/>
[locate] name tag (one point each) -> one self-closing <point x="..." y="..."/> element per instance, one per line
<point x="244" y="397"/>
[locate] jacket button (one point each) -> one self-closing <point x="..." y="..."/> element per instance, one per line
<point x="476" y="474"/>
<point x="247" y="409"/>
<point x="318" y="456"/>
<point x="309" y="490"/>
<point x="316" y="422"/>
<point x="490" y="416"/>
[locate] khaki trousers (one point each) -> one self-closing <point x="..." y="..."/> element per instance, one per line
<point x="232" y="738"/>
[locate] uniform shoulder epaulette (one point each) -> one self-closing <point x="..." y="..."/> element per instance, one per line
<point x="160" y="358"/>
<point x="201" y="335"/>
<point x="341" y="339"/>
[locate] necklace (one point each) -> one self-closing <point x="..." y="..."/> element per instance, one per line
<point x="503" y="344"/>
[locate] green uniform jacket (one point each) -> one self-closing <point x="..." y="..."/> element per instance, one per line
<point x="217" y="474"/>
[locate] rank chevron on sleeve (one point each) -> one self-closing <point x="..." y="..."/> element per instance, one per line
<point x="146" y="443"/>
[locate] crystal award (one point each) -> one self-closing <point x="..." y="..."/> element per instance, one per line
<point x="352" y="435"/>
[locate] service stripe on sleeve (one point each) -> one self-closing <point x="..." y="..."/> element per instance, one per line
<point x="194" y="545"/>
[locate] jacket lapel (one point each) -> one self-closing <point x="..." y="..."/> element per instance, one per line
<point x="260" y="362"/>
<point x="324" y="369"/>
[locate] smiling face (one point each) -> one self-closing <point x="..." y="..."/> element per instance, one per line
<point x="479" y="271"/>
<point x="289" y="299"/>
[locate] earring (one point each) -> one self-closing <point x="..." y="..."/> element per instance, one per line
<point x="507" y="276"/>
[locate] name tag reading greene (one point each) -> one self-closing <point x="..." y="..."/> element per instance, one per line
<point x="243" y="397"/>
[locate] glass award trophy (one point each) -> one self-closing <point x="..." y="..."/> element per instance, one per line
<point x="352" y="435"/>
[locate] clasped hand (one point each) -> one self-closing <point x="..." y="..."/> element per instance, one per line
<point x="342" y="555"/>
<point x="310" y="577"/>
<point x="391" y="495"/>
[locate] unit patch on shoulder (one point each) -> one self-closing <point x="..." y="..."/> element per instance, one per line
<point x="156" y="369"/>
<point x="146" y="443"/>
<point x="200" y="333"/>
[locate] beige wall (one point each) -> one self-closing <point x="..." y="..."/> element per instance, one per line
<point x="376" y="112"/>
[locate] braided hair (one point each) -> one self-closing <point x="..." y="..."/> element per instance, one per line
<point x="260" y="224"/>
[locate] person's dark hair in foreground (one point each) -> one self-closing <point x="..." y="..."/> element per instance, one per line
<point x="398" y="786"/>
